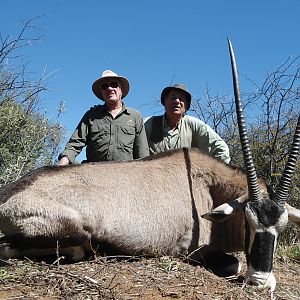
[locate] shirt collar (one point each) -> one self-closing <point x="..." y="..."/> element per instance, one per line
<point x="165" y="123"/>
<point x="124" y="108"/>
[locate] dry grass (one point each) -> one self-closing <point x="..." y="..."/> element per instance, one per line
<point x="158" y="278"/>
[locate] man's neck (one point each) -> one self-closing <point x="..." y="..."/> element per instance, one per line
<point x="173" y="121"/>
<point x="114" y="108"/>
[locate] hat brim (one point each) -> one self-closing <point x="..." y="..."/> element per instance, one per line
<point x="169" y="88"/>
<point x="96" y="87"/>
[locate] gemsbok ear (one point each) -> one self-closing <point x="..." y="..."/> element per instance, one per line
<point x="226" y="210"/>
<point x="294" y="214"/>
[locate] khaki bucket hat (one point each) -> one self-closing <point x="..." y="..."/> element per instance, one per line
<point x="178" y="86"/>
<point x="108" y="74"/>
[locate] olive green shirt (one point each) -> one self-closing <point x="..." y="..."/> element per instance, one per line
<point x="106" y="138"/>
<point x="190" y="132"/>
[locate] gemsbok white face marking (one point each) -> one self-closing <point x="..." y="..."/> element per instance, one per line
<point x="265" y="221"/>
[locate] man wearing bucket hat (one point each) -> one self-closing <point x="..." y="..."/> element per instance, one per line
<point x="110" y="132"/>
<point x="175" y="129"/>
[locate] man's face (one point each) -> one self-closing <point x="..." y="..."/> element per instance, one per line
<point x="175" y="103"/>
<point x="111" y="90"/>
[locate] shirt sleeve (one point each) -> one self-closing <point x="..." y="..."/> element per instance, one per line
<point x="148" y="126"/>
<point x="77" y="141"/>
<point x="140" y="148"/>
<point x="208" y="141"/>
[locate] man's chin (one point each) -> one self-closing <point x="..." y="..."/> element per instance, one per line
<point x="112" y="100"/>
<point x="177" y="112"/>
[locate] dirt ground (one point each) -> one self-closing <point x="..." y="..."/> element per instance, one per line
<point x="139" y="278"/>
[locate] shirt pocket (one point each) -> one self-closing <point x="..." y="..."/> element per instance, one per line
<point x="98" y="132"/>
<point x="126" y="136"/>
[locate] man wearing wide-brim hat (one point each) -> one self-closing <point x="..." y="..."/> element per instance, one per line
<point x="175" y="129"/>
<point x="110" y="132"/>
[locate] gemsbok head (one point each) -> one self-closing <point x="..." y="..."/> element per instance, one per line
<point x="266" y="212"/>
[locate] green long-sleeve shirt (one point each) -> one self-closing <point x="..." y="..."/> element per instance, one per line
<point x="190" y="132"/>
<point x="107" y="138"/>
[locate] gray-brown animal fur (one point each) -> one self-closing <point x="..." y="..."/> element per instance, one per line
<point x="148" y="206"/>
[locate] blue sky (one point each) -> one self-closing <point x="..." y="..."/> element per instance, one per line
<point x="151" y="43"/>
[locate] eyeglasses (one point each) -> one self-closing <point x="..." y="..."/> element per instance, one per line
<point x="113" y="84"/>
<point x="173" y="98"/>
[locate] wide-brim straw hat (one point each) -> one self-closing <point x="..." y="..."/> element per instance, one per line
<point x="108" y="74"/>
<point x="180" y="87"/>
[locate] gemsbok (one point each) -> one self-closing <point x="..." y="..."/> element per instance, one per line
<point x="152" y="206"/>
